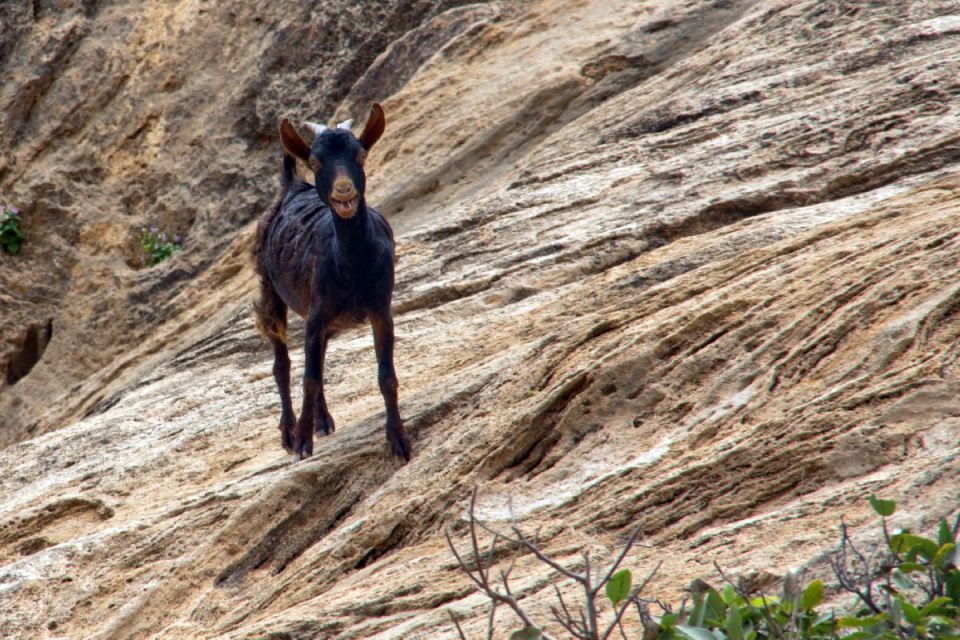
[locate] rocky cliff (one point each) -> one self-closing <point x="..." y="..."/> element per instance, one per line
<point x="690" y="265"/>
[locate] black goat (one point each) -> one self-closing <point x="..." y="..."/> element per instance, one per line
<point x="325" y="254"/>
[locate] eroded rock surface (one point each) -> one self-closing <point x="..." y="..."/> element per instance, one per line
<point x="684" y="265"/>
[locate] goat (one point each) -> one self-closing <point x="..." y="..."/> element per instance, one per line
<point x="328" y="256"/>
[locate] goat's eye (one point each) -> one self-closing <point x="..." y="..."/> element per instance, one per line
<point x="314" y="164"/>
<point x="361" y="156"/>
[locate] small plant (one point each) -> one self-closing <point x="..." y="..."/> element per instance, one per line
<point x="908" y="588"/>
<point x="157" y="246"/>
<point x="580" y="622"/>
<point x="737" y="614"/>
<point x="11" y="235"/>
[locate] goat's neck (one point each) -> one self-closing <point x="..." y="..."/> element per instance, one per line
<point x="353" y="234"/>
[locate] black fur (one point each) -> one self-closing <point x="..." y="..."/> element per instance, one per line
<point x="333" y="271"/>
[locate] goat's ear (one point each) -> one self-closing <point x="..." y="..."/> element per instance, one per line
<point x="374" y="127"/>
<point x="293" y="144"/>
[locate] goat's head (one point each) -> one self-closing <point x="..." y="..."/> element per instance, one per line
<point x="336" y="158"/>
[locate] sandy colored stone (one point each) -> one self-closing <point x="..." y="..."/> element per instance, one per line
<point x="690" y="266"/>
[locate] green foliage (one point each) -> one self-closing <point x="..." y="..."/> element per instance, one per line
<point x="884" y="508"/>
<point x="11" y="235"/>
<point x="907" y="589"/>
<point x="915" y="594"/>
<point x="156" y="246"/>
<point x="812" y="596"/>
<point x="618" y="588"/>
<point x="732" y="616"/>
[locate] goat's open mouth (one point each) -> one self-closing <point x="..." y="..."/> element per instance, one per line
<point x="344" y="208"/>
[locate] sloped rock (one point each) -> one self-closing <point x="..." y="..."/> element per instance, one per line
<point x="687" y="266"/>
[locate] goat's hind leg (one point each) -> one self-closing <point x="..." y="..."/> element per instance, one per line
<point x="270" y="314"/>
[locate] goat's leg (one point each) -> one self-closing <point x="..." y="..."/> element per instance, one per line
<point x="271" y="318"/>
<point x="281" y="373"/>
<point x="382" y="324"/>
<point x="314" y="405"/>
<point x="323" y="422"/>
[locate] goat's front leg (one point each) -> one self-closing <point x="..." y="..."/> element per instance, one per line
<point x="313" y="415"/>
<point x="323" y="421"/>
<point x="382" y="324"/>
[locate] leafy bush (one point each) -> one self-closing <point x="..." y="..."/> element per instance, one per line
<point x="11" y="236"/>
<point x="157" y="246"/>
<point x="733" y="615"/>
<point x="908" y="588"/>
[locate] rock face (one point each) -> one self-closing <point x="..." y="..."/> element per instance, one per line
<point x="691" y="266"/>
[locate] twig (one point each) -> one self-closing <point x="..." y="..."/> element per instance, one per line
<point x="590" y="595"/>
<point x="490" y="618"/>
<point x="481" y="575"/>
<point x="839" y="562"/>
<point x="616" y="563"/>
<point x="740" y="592"/>
<point x="773" y="624"/>
<point x="457" y="625"/>
<point x="633" y="596"/>
<point x="532" y="548"/>
<point x="582" y="623"/>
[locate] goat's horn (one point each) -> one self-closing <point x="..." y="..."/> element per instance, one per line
<point x="316" y="128"/>
<point x="346" y="124"/>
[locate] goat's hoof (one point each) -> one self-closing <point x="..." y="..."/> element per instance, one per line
<point x="303" y="449"/>
<point x="324" y="426"/>
<point x="302" y="454"/>
<point x="286" y="441"/>
<point x="399" y="445"/>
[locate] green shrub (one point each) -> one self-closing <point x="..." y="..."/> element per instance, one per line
<point x="157" y="246"/>
<point x="729" y="615"/>
<point x="907" y="588"/>
<point x="11" y="236"/>
<point x="910" y="588"/>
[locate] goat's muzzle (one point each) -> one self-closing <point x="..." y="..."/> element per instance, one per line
<point x="344" y="198"/>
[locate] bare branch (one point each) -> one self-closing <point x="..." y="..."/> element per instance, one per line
<point x="568" y="623"/>
<point x="566" y="612"/>
<point x="521" y="540"/>
<point x="481" y="575"/>
<point x="740" y="592"/>
<point x="474" y="545"/>
<point x="493" y="546"/>
<point x="651" y="629"/>
<point x="490" y="618"/>
<point x="580" y="623"/>
<point x="457" y="625"/>
<point x="840" y="563"/>
<point x="623" y="634"/>
<point x="623" y="553"/>
<point x="773" y="624"/>
<point x="463" y="565"/>
<point x="590" y="597"/>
